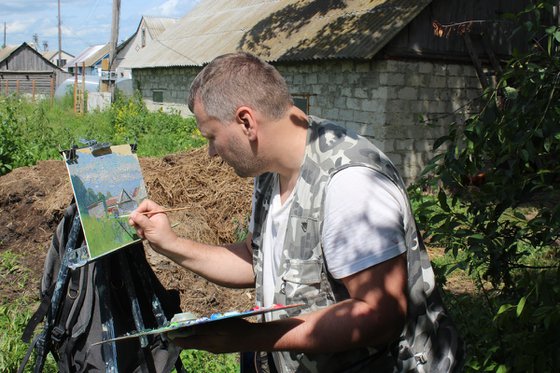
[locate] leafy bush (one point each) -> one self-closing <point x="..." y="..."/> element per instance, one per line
<point x="36" y="131"/>
<point x="8" y="138"/>
<point x="497" y="179"/>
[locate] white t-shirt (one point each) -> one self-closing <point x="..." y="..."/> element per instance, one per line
<point x="364" y="225"/>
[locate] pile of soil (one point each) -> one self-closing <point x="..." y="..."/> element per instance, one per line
<point x="33" y="200"/>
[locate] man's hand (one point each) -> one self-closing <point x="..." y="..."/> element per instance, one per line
<point x="153" y="227"/>
<point x="221" y="336"/>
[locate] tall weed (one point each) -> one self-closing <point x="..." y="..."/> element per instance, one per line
<point x="31" y="132"/>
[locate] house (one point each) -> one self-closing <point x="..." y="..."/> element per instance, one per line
<point x="377" y="67"/>
<point x="90" y="59"/>
<point x="148" y="31"/>
<point x="124" y="203"/>
<point x="24" y="70"/>
<point x="139" y="193"/>
<point x="121" y="204"/>
<point x="57" y="60"/>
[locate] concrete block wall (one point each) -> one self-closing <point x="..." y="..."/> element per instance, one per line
<point x="173" y="82"/>
<point x="391" y="102"/>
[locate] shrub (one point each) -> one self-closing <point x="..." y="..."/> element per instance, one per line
<point x="497" y="179"/>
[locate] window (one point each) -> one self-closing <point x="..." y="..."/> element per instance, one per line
<point x="302" y="102"/>
<point x="143" y="35"/>
<point x="157" y="96"/>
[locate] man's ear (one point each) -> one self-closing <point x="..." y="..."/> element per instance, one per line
<point x="246" y="118"/>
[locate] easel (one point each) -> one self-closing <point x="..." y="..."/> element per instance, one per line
<point x="129" y="260"/>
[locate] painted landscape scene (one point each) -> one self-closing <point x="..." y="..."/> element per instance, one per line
<point x="107" y="183"/>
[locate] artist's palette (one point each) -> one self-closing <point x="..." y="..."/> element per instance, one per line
<point x="187" y="319"/>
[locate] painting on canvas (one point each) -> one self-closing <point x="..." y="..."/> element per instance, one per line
<point x="107" y="183"/>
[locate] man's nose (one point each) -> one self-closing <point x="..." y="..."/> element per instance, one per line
<point x="212" y="150"/>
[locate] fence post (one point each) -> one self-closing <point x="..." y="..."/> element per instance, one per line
<point x="52" y="89"/>
<point x="33" y="90"/>
<point x="75" y="85"/>
<point x="83" y="92"/>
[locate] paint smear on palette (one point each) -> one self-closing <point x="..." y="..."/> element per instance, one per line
<point x="187" y="319"/>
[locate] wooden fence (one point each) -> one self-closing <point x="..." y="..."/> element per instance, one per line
<point x="32" y="87"/>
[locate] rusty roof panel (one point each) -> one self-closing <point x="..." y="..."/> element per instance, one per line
<point x="281" y="30"/>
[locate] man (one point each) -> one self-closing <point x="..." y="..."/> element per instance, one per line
<point x="331" y="227"/>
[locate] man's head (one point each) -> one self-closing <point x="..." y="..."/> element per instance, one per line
<point x="240" y="79"/>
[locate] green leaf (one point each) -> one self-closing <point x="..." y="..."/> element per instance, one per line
<point x="520" y="306"/>
<point x="502" y="369"/>
<point x="504" y="308"/>
<point x="442" y="198"/>
<point x="524" y="155"/>
<point x="438" y="218"/>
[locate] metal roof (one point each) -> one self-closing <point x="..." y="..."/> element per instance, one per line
<point x="157" y="25"/>
<point x="90" y="56"/>
<point x="7" y="51"/>
<point x="53" y="53"/>
<point x="280" y="30"/>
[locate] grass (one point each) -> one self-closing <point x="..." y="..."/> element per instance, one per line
<point x="201" y="361"/>
<point x="15" y="315"/>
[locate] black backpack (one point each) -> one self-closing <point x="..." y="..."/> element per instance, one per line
<point x="114" y="295"/>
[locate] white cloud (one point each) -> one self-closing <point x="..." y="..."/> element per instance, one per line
<point x="19" y="26"/>
<point x="174" y="8"/>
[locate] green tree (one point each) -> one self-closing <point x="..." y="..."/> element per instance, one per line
<point x="497" y="179"/>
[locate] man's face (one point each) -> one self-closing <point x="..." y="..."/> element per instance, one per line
<point x="229" y="141"/>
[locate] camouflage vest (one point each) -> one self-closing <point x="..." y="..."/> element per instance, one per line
<point x="428" y="342"/>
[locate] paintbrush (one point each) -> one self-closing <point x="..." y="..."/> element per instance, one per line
<point x="156" y="212"/>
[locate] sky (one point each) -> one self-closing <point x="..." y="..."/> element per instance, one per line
<point x="83" y="22"/>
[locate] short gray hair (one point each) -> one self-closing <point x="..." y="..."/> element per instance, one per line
<point x="240" y="79"/>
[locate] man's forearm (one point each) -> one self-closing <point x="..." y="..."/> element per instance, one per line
<point x="346" y="325"/>
<point x="229" y="265"/>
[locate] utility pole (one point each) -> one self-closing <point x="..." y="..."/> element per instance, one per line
<point x="113" y="46"/>
<point x="4" y="45"/>
<point x="58" y="63"/>
<point x="114" y="33"/>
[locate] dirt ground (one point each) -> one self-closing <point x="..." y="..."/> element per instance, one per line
<point x="33" y="200"/>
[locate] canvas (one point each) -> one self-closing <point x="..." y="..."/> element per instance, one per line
<point x="107" y="183"/>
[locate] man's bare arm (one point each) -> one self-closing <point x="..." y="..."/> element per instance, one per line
<point x="228" y="265"/>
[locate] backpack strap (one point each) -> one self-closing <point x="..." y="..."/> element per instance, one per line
<point x="38" y="316"/>
<point x="46" y="295"/>
<point x="73" y="296"/>
<point x="43" y="344"/>
<point x="28" y="354"/>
